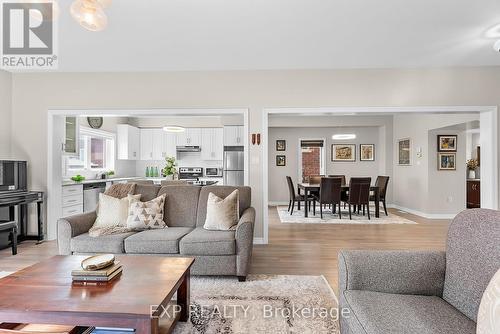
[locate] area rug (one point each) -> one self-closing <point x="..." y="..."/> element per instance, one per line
<point x="262" y="304"/>
<point x="329" y="218"/>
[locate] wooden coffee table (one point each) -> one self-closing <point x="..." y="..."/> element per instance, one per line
<point x="138" y="298"/>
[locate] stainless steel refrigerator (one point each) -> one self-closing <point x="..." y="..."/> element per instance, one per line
<point x="234" y="166"/>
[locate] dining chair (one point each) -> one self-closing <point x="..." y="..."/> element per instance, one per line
<point x="359" y="194"/>
<point x="341" y="176"/>
<point x="330" y="192"/>
<point x="381" y="183"/>
<point x="294" y="197"/>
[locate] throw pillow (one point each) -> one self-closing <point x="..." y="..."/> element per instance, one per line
<point x="222" y="214"/>
<point x="488" y="317"/>
<point x="147" y="215"/>
<point x="112" y="214"/>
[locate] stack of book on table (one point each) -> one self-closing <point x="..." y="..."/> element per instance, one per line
<point x="103" y="275"/>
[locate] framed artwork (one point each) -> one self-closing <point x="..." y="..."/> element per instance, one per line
<point x="447" y="143"/>
<point x="447" y="161"/>
<point x="280" y="160"/>
<point x="404" y="152"/>
<point x="344" y="152"/>
<point x="280" y="145"/>
<point x="366" y="152"/>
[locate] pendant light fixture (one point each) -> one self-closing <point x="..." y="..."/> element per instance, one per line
<point x="90" y="14"/>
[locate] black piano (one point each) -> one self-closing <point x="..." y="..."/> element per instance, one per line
<point x="14" y="196"/>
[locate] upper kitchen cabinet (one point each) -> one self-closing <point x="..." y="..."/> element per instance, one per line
<point x="128" y="140"/>
<point x="233" y="135"/>
<point x="212" y="146"/>
<point x="190" y="137"/>
<point x="146" y="144"/>
<point x="169" y="145"/>
<point x="71" y="136"/>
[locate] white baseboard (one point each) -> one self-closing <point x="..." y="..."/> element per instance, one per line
<point x="276" y="203"/>
<point x="259" y="241"/>
<point x="423" y="214"/>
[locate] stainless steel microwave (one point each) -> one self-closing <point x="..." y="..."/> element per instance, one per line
<point x="213" y="172"/>
<point x="13" y="176"/>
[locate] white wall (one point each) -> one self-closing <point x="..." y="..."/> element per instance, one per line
<point x="255" y="90"/>
<point x="278" y="189"/>
<point x="5" y="113"/>
<point x="411" y="184"/>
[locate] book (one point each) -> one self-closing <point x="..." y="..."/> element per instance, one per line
<point x="102" y="272"/>
<point x="85" y="278"/>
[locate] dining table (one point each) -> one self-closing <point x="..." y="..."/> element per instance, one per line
<point x="309" y="188"/>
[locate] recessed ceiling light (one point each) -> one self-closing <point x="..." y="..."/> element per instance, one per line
<point x="344" y="136"/>
<point x="174" y="128"/>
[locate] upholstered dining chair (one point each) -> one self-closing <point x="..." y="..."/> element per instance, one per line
<point x="359" y="194"/>
<point x="330" y="192"/>
<point x="381" y="182"/>
<point x="341" y="176"/>
<point x="294" y="197"/>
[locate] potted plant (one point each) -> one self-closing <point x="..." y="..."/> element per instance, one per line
<point x="471" y="166"/>
<point x="170" y="168"/>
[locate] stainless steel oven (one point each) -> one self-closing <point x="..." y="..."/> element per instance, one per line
<point x="13" y="176"/>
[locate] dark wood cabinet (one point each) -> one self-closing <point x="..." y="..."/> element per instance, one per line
<point x="473" y="194"/>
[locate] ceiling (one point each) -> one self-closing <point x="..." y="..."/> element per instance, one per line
<point x="161" y="35"/>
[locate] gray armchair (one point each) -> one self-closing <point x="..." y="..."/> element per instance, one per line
<point x="424" y="292"/>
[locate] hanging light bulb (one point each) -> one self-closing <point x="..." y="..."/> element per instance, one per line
<point x="89" y="14"/>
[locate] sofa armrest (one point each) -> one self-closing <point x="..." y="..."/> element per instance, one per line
<point x="244" y="241"/>
<point x="72" y="226"/>
<point x="403" y="272"/>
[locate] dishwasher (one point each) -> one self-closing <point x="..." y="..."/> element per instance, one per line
<point x="91" y="193"/>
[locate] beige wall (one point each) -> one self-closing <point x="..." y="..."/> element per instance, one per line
<point x="34" y="94"/>
<point x="5" y="113"/>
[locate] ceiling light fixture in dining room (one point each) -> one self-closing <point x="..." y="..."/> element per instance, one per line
<point x="174" y="129"/>
<point x="344" y="136"/>
<point x="90" y="13"/>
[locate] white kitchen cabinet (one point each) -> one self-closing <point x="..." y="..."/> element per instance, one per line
<point x="212" y="146"/>
<point x="128" y="139"/>
<point x="190" y="137"/>
<point x="71" y="145"/>
<point x="146" y="144"/>
<point x="158" y="144"/>
<point x="72" y="200"/>
<point x="169" y="145"/>
<point x="233" y="135"/>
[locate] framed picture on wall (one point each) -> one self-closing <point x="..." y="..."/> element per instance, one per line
<point x="280" y="160"/>
<point x="280" y="145"/>
<point x="366" y="152"/>
<point x="447" y="161"/>
<point x="447" y="143"/>
<point x="343" y="152"/>
<point x="404" y="152"/>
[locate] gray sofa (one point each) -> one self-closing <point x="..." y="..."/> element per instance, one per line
<point x="422" y="292"/>
<point x="216" y="252"/>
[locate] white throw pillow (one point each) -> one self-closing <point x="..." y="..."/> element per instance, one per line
<point x="488" y="317"/>
<point x="113" y="211"/>
<point x="222" y="214"/>
<point x="147" y="215"/>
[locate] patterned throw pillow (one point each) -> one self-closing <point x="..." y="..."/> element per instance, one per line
<point x="147" y="215"/>
<point x="222" y="214"/>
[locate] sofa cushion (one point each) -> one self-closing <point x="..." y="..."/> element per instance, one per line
<point x="472" y="258"/>
<point x="382" y="313"/>
<point x="159" y="241"/>
<point x="181" y="205"/>
<point x="245" y="195"/>
<point x="148" y="192"/>
<point x="204" y="242"/>
<point x="112" y="243"/>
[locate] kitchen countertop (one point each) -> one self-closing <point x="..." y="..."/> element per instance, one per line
<point x="111" y="179"/>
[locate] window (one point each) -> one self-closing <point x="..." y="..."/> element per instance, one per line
<point x="96" y="151"/>
<point x="312" y="161"/>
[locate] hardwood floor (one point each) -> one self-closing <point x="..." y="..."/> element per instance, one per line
<point x="296" y="249"/>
